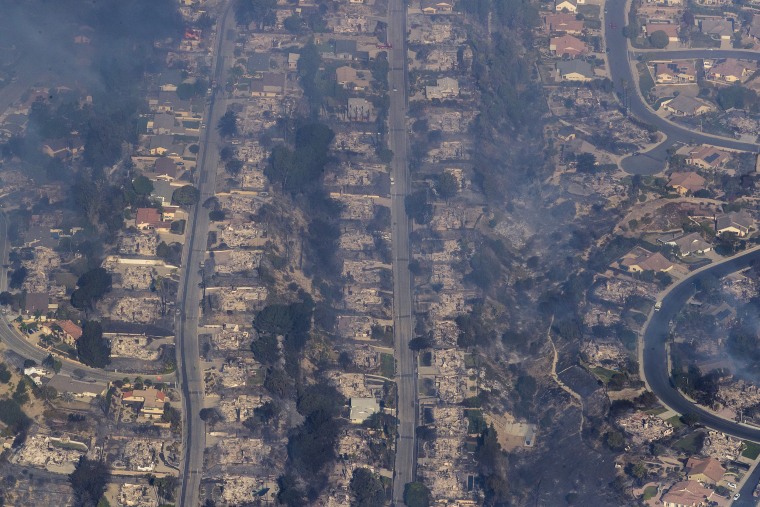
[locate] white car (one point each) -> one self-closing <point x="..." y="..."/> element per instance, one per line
<point x="657" y="306"/>
<point x="392" y="180"/>
<point x="736" y="496"/>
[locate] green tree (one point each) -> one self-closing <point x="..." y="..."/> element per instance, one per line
<point x="92" y="286"/>
<point x="228" y="124"/>
<point x="186" y="195"/>
<point x="585" y="163"/>
<point x="92" y="348"/>
<point x="447" y="186"/>
<point x="416" y="494"/>
<point x="659" y="39"/>
<point x="88" y="481"/>
<point x="259" y="11"/>
<point x="418" y="208"/>
<point x="367" y="489"/>
<point x="142" y="185"/>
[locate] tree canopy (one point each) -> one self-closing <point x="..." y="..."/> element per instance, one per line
<point x="88" y="481"/>
<point x="297" y="169"/>
<point x="92" y="286"/>
<point x="186" y="195"/>
<point x="92" y="348"/>
<point x="228" y="124"/>
<point x="659" y="39"/>
<point x="367" y="489"/>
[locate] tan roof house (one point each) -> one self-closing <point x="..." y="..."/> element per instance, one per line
<point x="671" y="30"/>
<point x="436" y="6"/>
<point x="687" y="494"/>
<point x="271" y="84"/>
<point x="567" y="45"/>
<point x="69" y="332"/>
<point x="567" y="5"/>
<point x="362" y="409"/>
<point x="147" y="218"/>
<point x="351" y="78"/>
<point x="704" y="470"/>
<point x="563" y="22"/>
<point x="150" y="401"/>
<point x="686" y="182"/>
<point x="730" y="70"/>
<point x="639" y="260"/>
<point x="707" y="157"/>
<point x="690" y="244"/>
<point x="683" y="72"/>
<point x="683" y="105"/>
<point x="739" y="223"/>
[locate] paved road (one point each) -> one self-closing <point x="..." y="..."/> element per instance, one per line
<point x="626" y="85"/>
<point x="188" y="298"/>
<point x="655" y="335"/>
<point x="406" y="375"/>
<point x="746" y="499"/>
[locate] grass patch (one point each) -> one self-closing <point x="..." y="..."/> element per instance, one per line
<point x="256" y="379"/>
<point x="604" y="374"/>
<point x="646" y="82"/>
<point x="689" y="443"/>
<point x="751" y="450"/>
<point x="649" y="493"/>
<point x="675" y="421"/>
<point x="589" y="11"/>
<point x="656" y="411"/>
<point x="469" y="361"/>
<point x="387" y="365"/>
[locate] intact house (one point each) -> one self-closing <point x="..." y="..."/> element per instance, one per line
<point x="568" y="5"/>
<point x="562" y="22"/>
<point x="445" y="88"/>
<point x="704" y="470"/>
<point x="436" y="6"/>
<point x="271" y="84"/>
<point x="345" y="49"/>
<point x="36" y="303"/>
<point x="567" y="46"/>
<point x="362" y="409"/>
<point x="683" y="105"/>
<point x="349" y="77"/>
<point x="165" y="168"/>
<point x="575" y="70"/>
<point x="719" y="29"/>
<point x="639" y="260"/>
<point x="707" y="157"/>
<point x="149" y="402"/>
<point x="258" y="62"/>
<point x="681" y="72"/>
<point x="67" y="331"/>
<point x="670" y="30"/>
<point x="150" y="219"/>
<point x="730" y="70"/>
<point x="736" y="222"/>
<point x="686" y="182"/>
<point x="688" y="244"/>
<point x="687" y="494"/>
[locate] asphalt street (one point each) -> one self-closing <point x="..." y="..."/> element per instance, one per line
<point x="626" y="86"/>
<point x="406" y="374"/>
<point x="189" y="296"/>
<point x="655" y="336"/>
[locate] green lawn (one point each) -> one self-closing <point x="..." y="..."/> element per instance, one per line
<point x="387" y="365"/>
<point x="649" y="492"/>
<point x="656" y="411"/>
<point x="751" y="450"/>
<point x="604" y="374"/>
<point x="688" y="443"/>
<point x="676" y="421"/>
